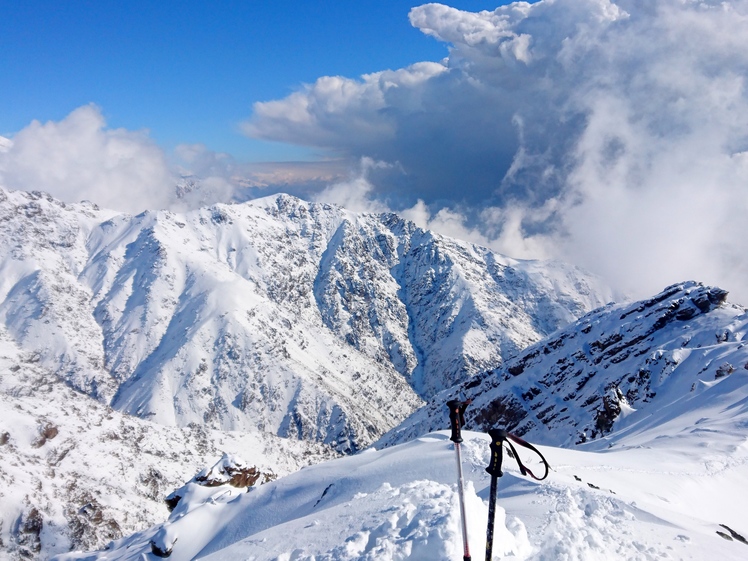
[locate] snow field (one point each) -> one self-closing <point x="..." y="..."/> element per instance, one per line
<point x="664" y="499"/>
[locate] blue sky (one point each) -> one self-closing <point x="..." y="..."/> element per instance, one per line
<point x="189" y="71"/>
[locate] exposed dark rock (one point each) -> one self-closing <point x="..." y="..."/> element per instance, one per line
<point x="29" y="532"/>
<point x="46" y="432"/>
<point x="229" y="470"/>
<point x="172" y="500"/>
<point x="609" y="413"/>
<point x="90" y="523"/>
<point x="507" y="411"/>
<point x="724" y="370"/>
<point x="161" y="550"/>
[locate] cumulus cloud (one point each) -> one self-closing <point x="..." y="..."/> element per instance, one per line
<point x="78" y="158"/>
<point x="81" y="158"/>
<point x="612" y="133"/>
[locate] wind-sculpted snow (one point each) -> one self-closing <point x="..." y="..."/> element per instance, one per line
<point x="634" y="503"/>
<point x="619" y="371"/>
<point x="302" y="320"/>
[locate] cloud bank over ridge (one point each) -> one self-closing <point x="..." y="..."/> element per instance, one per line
<point x="610" y="133"/>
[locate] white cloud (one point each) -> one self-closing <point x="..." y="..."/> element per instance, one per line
<point x="355" y="193"/>
<point x="78" y="158"/>
<point x="335" y="108"/>
<point x="610" y="133"/>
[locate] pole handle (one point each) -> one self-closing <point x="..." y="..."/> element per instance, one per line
<point x="498" y="436"/>
<point x="457" y="418"/>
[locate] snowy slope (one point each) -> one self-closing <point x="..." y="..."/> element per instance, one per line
<point x="617" y="371"/>
<point x="76" y="473"/>
<point x="665" y="479"/>
<point x="299" y="319"/>
<point x="647" y="502"/>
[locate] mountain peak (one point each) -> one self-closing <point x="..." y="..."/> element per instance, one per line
<point x="302" y="319"/>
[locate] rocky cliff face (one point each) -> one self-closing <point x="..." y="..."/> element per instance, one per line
<point x="302" y="320"/>
<point x="619" y="369"/>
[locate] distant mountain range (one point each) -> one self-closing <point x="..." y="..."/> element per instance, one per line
<point x="301" y="320"/>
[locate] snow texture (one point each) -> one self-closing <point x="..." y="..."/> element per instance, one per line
<point x="638" y="503"/>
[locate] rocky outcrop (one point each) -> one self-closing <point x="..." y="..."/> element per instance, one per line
<point x="579" y="384"/>
<point x="229" y="470"/>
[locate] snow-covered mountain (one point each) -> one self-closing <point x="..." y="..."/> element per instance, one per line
<point x="661" y="475"/>
<point x="275" y="316"/>
<point x="75" y="473"/>
<point x="618" y="370"/>
<point x="658" y="389"/>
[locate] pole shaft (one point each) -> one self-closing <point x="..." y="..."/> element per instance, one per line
<point x="491" y="516"/>
<point x="461" y="491"/>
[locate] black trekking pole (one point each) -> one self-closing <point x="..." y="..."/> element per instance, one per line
<point x="498" y="436"/>
<point x="457" y="420"/>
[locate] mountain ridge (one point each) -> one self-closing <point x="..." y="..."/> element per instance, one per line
<point x="299" y="318"/>
<point x="611" y="370"/>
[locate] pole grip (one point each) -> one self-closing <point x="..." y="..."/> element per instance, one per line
<point x="457" y="418"/>
<point x="498" y="436"/>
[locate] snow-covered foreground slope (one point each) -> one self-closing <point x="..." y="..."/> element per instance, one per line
<point x="75" y="473"/>
<point x="663" y="479"/>
<point x="280" y="316"/>
<point x="619" y="370"/>
<point x="662" y="499"/>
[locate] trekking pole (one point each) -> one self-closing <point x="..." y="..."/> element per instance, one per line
<point x="498" y="437"/>
<point x="457" y="420"/>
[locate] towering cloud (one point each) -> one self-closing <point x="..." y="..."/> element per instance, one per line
<point x="611" y="133"/>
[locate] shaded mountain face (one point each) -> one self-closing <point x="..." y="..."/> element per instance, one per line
<point x="301" y="320"/>
<point x="620" y="370"/>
